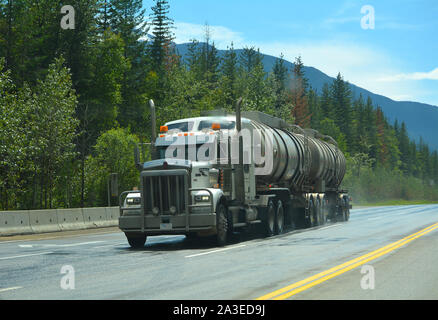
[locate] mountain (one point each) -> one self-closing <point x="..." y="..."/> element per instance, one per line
<point x="421" y="119"/>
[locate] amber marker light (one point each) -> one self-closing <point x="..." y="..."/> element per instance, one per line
<point x="216" y="126"/>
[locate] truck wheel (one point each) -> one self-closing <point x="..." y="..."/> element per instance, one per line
<point x="342" y="211"/>
<point x="279" y="218"/>
<point x="346" y="210"/>
<point x="221" y="224"/>
<point x="269" y="219"/>
<point x="292" y="219"/>
<point x="136" y="241"/>
<point x="312" y="219"/>
<point x="323" y="214"/>
<point x="317" y="213"/>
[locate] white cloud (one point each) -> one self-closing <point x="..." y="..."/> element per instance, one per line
<point x="330" y="57"/>
<point x="431" y="75"/>
<point x="362" y="65"/>
<point x="342" y="20"/>
<point x="394" y="25"/>
<point x="222" y="36"/>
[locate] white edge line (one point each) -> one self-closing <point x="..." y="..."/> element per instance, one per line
<point x="60" y="236"/>
<point x="335" y="225"/>
<point x="9" y="289"/>
<point x="71" y="244"/>
<point x="214" y="251"/>
<point x="110" y="245"/>
<point x="26" y="255"/>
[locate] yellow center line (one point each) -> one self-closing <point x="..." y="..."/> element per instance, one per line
<point x="309" y="282"/>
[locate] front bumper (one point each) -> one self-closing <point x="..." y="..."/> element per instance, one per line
<point x="154" y="224"/>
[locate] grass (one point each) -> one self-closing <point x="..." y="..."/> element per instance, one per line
<point x="393" y="202"/>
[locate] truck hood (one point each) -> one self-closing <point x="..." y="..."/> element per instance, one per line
<point x="171" y="164"/>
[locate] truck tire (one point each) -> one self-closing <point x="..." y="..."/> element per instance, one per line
<point x="317" y="213"/>
<point x="136" y="241"/>
<point x="292" y="220"/>
<point x="343" y="212"/>
<point x="269" y="220"/>
<point x="279" y="218"/>
<point x="221" y="224"/>
<point x="311" y="220"/>
<point x="346" y="210"/>
<point x="322" y="211"/>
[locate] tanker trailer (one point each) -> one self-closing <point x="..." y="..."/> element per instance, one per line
<point x="215" y="174"/>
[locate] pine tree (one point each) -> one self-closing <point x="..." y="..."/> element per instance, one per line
<point x="127" y="20"/>
<point x="249" y="58"/>
<point x="280" y="76"/>
<point x="298" y="95"/>
<point x="357" y="127"/>
<point x="341" y="97"/>
<point x="326" y="102"/>
<point x="104" y="16"/>
<point x="161" y="46"/>
<point x="193" y="58"/>
<point x="383" y="147"/>
<point x="259" y="95"/>
<point x="314" y="109"/>
<point x="209" y="58"/>
<point x="434" y="162"/>
<point x="229" y="71"/>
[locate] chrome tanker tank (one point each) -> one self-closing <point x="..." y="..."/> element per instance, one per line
<point x="302" y="159"/>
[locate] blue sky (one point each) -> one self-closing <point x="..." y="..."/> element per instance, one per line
<point x="398" y="58"/>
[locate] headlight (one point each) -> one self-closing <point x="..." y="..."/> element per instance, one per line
<point x="202" y="198"/>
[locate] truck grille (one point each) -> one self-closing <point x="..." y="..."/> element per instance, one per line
<point x="164" y="190"/>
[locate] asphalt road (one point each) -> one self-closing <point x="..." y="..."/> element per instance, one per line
<point x="335" y="261"/>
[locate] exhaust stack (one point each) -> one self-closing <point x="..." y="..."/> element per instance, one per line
<point x="153" y="121"/>
<point x="153" y="128"/>
<point x="240" y="182"/>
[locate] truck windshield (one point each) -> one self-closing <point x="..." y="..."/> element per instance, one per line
<point x="182" y="126"/>
<point x="204" y="152"/>
<point x="225" y="124"/>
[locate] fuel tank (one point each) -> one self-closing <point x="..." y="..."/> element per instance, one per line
<point x="301" y="159"/>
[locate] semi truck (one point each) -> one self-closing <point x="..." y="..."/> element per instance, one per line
<point x="223" y="172"/>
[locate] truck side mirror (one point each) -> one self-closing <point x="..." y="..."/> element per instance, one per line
<point x="214" y="176"/>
